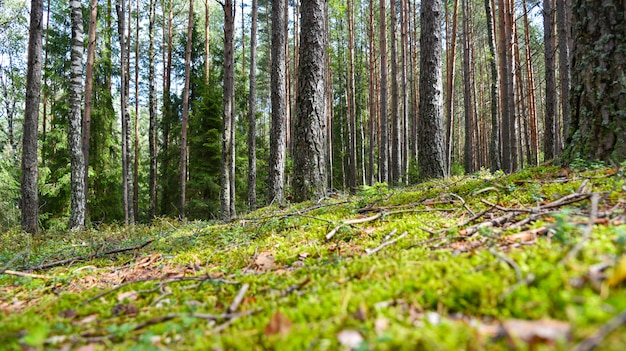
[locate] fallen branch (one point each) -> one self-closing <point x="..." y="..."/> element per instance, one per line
<point x="237" y="301"/>
<point x="23" y="274"/>
<point x="385" y="244"/>
<point x="594" y="340"/>
<point x="295" y="287"/>
<point x="353" y="221"/>
<point x="89" y="257"/>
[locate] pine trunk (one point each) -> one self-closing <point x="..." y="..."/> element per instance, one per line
<point x="309" y="158"/>
<point x="252" y="112"/>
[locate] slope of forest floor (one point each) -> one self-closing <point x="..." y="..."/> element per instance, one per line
<point x="534" y="260"/>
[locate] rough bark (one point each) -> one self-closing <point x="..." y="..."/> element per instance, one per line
<point x="309" y="157"/>
<point x="74" y="138"/>
<point x="598" y="82"/>
<point x="30" y="171"/>
<point x="396" y="162"/>
<point x="550" y="119"/>
<point x="252" y="111"/>
<point x="278" y="128"/>
<point x="431" y="161"/>
<point x="563" y="23"/>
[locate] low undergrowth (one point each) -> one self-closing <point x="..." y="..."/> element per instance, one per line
<point x="534" y="260"/>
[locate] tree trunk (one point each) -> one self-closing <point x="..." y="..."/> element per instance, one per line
<point x="167" y="104"/>
<point x="431" y="152"/>
<point x="372" y="94"/>
<point x="30" y="199"/>
<point x="550" y="124"/>
<point x="152" y="106"/>
<point x="352" y="135"/>
<point x="252" y="112"/>
<point x="495" y="125"/>
<point x="450" y="71"/>
<point x="126" y="174"/>
<point x="470" y="141"/>
<point x="383" y="166"/>
<point x="395" y="117"/>
<point x="86" y="124"/>
<point x="309" y="158"/>
<point x="278" y="129"/>
<point x="229" y="109"/>
<point x="74" y="138"/>
<point x="207" y="42"/>
<point x="598" y="82"/>
<point x="532" y="109"/>
<point x="563" y="9"/>
<point x="185" y="117"/>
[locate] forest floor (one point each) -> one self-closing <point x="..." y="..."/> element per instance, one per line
<point x="534" y="260"/>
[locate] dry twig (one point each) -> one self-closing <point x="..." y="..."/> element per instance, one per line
<point x="594" y="340"/>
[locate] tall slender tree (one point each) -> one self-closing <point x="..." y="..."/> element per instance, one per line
<point x="74" y="139"/>
<point x="30" y="169"/>
<point x="550" y="119"/>
<point x="450" y="72"/>
<point x="383" y="166"/>
<point x="126" y="171"/>
<point x="278" y="129"/>
<point x="309" y="158"/>
<point x="252" y="110"/>
<point x="431" y="159"/>
<point x="494" y="145"/>
<point x="89" y="66"/>
<point x="152" y="107"/>
<point x="185" y="117"/>
<point x="227" y="199"/>
<point x="351" y="102"/>
<point x="470" y="141"/>
<point x="563" y="24"/>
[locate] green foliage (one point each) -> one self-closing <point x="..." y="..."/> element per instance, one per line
<point x="9" y="194"/>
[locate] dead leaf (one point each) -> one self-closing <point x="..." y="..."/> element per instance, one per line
<point x="88" y="319"/>
<point x="350" y="339"/>
<point x="127" y="295"/>
<point x="539" y="331"/>
<point x="304" y="254"/>
<point x="264" y="261"/>
<point x="361" y="312"/>
<point x="278" y="324"/>
<point x="69" y="313"/>
<point x="127" y="309"/>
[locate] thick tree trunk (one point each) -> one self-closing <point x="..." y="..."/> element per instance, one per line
<point x="252" y="112"/>
<point x="309" y="157"/>
<point x="74" y="138"/>
<point x="185" y="117"/>
<point x="30" y="170"/>
<point x="229" y="110"/>
<point x="598" y="82"/>
<point x="431" y="152"/>
<point x="278" y="128"/>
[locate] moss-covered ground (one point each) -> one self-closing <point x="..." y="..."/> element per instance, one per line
<point x="534" y="260"/>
